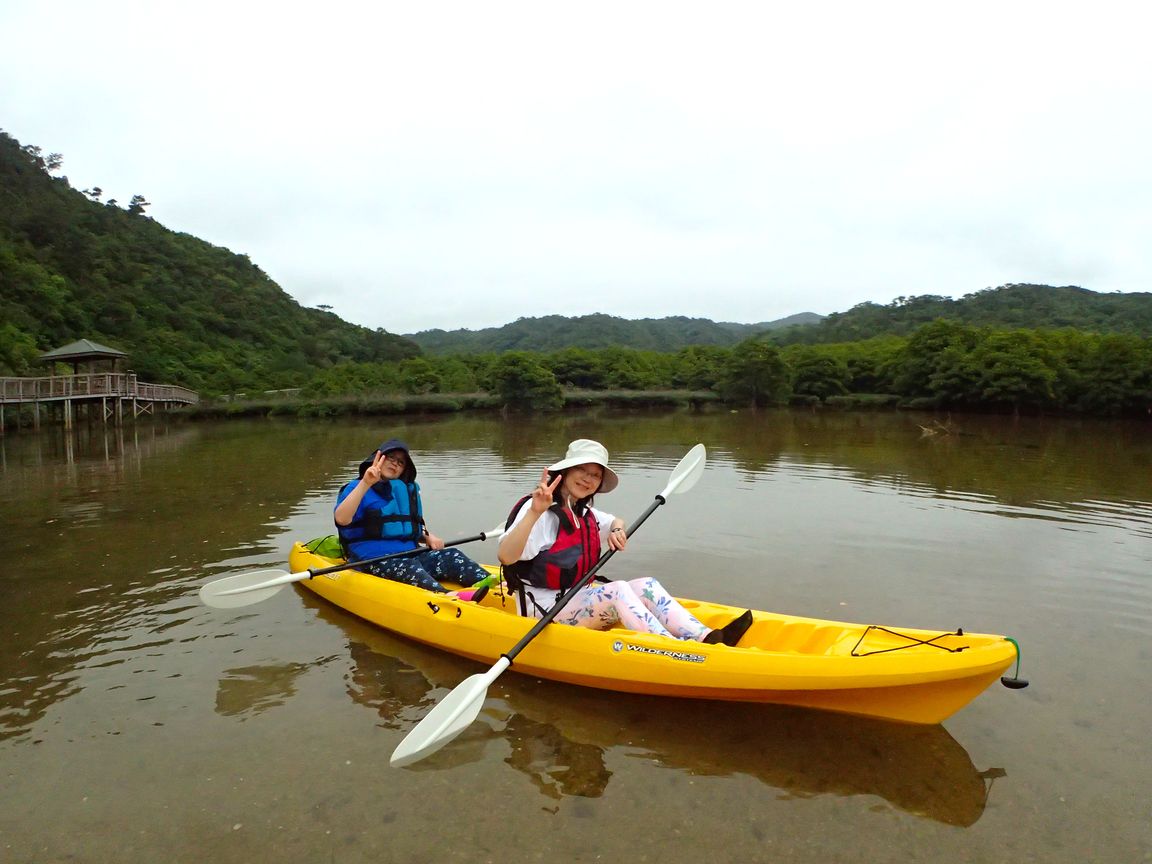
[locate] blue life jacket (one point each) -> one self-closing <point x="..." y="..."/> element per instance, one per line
<point x="389" y="519"/>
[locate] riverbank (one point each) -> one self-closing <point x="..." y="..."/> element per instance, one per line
<point x="377" y="404"/>
<point x="291" y="403"/>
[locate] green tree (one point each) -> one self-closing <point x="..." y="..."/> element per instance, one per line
<point x="354" y="379"/>
<point x="817" y="373"/>
<point x="1112" y="374"/>
<point x="872" y="364"/>
<point x="455" y="375"/>
<point x="924" y="356"/>
<point x="18" y="351"/>
<point x="418" y="376"/>
<point x="756" y="373"/>
<point x="698" y="367"/>
<point x="524" y="383"/>
<point x="1014" y="370"/>
<point x="578" y="367"/>
<point x="628" y="369"/>
<point x="955" y="379"/>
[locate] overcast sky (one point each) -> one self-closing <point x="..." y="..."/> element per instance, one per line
<point x="432" y="164"/>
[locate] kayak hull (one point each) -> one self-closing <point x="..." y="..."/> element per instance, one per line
<point x="914" y="676"/>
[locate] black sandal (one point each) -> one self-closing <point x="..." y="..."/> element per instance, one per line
<point x="731" y="633"/>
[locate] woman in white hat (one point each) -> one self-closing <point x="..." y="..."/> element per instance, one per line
<point x="555" y="535"/>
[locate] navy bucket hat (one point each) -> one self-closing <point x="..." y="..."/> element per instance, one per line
<point x="408" y="475"/>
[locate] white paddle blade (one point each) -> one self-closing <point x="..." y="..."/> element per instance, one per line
<point x="452" y="716"/>
<point x="247" y="588"/>
<point x="687" y="471"/>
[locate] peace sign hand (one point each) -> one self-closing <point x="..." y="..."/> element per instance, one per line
<point x="542" y="494"/>
<point x="374" y="473"/>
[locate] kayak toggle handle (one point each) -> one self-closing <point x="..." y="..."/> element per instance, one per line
<point x="1015" y="682"/>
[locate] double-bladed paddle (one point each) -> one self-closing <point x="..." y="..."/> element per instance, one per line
<point x="248" y="588"/>
<point x="459" y="708"/>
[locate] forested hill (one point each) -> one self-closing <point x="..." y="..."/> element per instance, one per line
<point x="186" y="312"/>
<point x="556" y="332"/>
<point x="1028" y="307"/>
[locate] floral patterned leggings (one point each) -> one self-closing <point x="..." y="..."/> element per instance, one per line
<point x="425" y="569"/>
<point x="640" y="604"/>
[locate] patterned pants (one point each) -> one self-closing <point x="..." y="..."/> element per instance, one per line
<point x="424" y="569"/>
<point x="640" y="604"/>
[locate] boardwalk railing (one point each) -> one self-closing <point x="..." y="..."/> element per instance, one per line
<point x="116" y="385"/>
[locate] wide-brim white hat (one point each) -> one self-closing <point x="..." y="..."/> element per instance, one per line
<point x="581" y="452"/>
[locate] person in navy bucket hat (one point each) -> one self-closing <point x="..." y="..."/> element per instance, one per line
<point x="381" y="513"/>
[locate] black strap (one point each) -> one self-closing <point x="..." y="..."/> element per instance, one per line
<point x="912" y="641"/>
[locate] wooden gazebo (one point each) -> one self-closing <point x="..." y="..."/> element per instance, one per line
<point x="85" y="352"/>
<point x="99" y="379"/>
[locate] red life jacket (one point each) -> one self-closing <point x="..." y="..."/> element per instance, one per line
<point x="576" y="549"/>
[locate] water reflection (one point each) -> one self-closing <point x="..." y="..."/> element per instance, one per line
<point x="249" y="690"/>
<point x="400" y="692"/>
<point x="1023" y="467"/>
<point x="1090" y="472"/>
<point x="562" y="738"/>
<point x="111" y="448"/>
<point x="1029" y="467"/>
<point x="556" y="765"/>
<point x="396" y="690"/>
<point x="110" y="530"/>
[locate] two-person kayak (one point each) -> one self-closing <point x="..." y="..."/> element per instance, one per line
<point x="896" y="673"/>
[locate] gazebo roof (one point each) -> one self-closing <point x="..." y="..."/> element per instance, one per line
<point x="82" y="349"/>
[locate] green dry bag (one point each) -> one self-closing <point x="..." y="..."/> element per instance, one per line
<point x="328" y="547"/>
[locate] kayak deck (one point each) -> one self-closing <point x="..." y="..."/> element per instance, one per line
<point x="910" y="675"/>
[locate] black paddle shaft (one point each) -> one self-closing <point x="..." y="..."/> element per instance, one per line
<point x="580" y="583"/>
<point x="350" y="564"/>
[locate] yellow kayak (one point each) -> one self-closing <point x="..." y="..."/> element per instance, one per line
<point x="915" y="676"/>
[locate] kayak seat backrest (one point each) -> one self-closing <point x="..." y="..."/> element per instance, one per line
<point x="821" y="639"/>
<point x="804" y="637"/>
<point x="763" y="634"/>
<point x="789" y="637"/>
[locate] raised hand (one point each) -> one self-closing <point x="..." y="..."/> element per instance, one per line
<point x="542" y="495"/>
<point x="374" y="473"/>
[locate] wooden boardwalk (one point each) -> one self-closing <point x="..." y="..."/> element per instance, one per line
<point x="115" y="393"/>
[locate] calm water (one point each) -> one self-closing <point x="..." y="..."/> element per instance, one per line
<point x="139" y="726"/>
